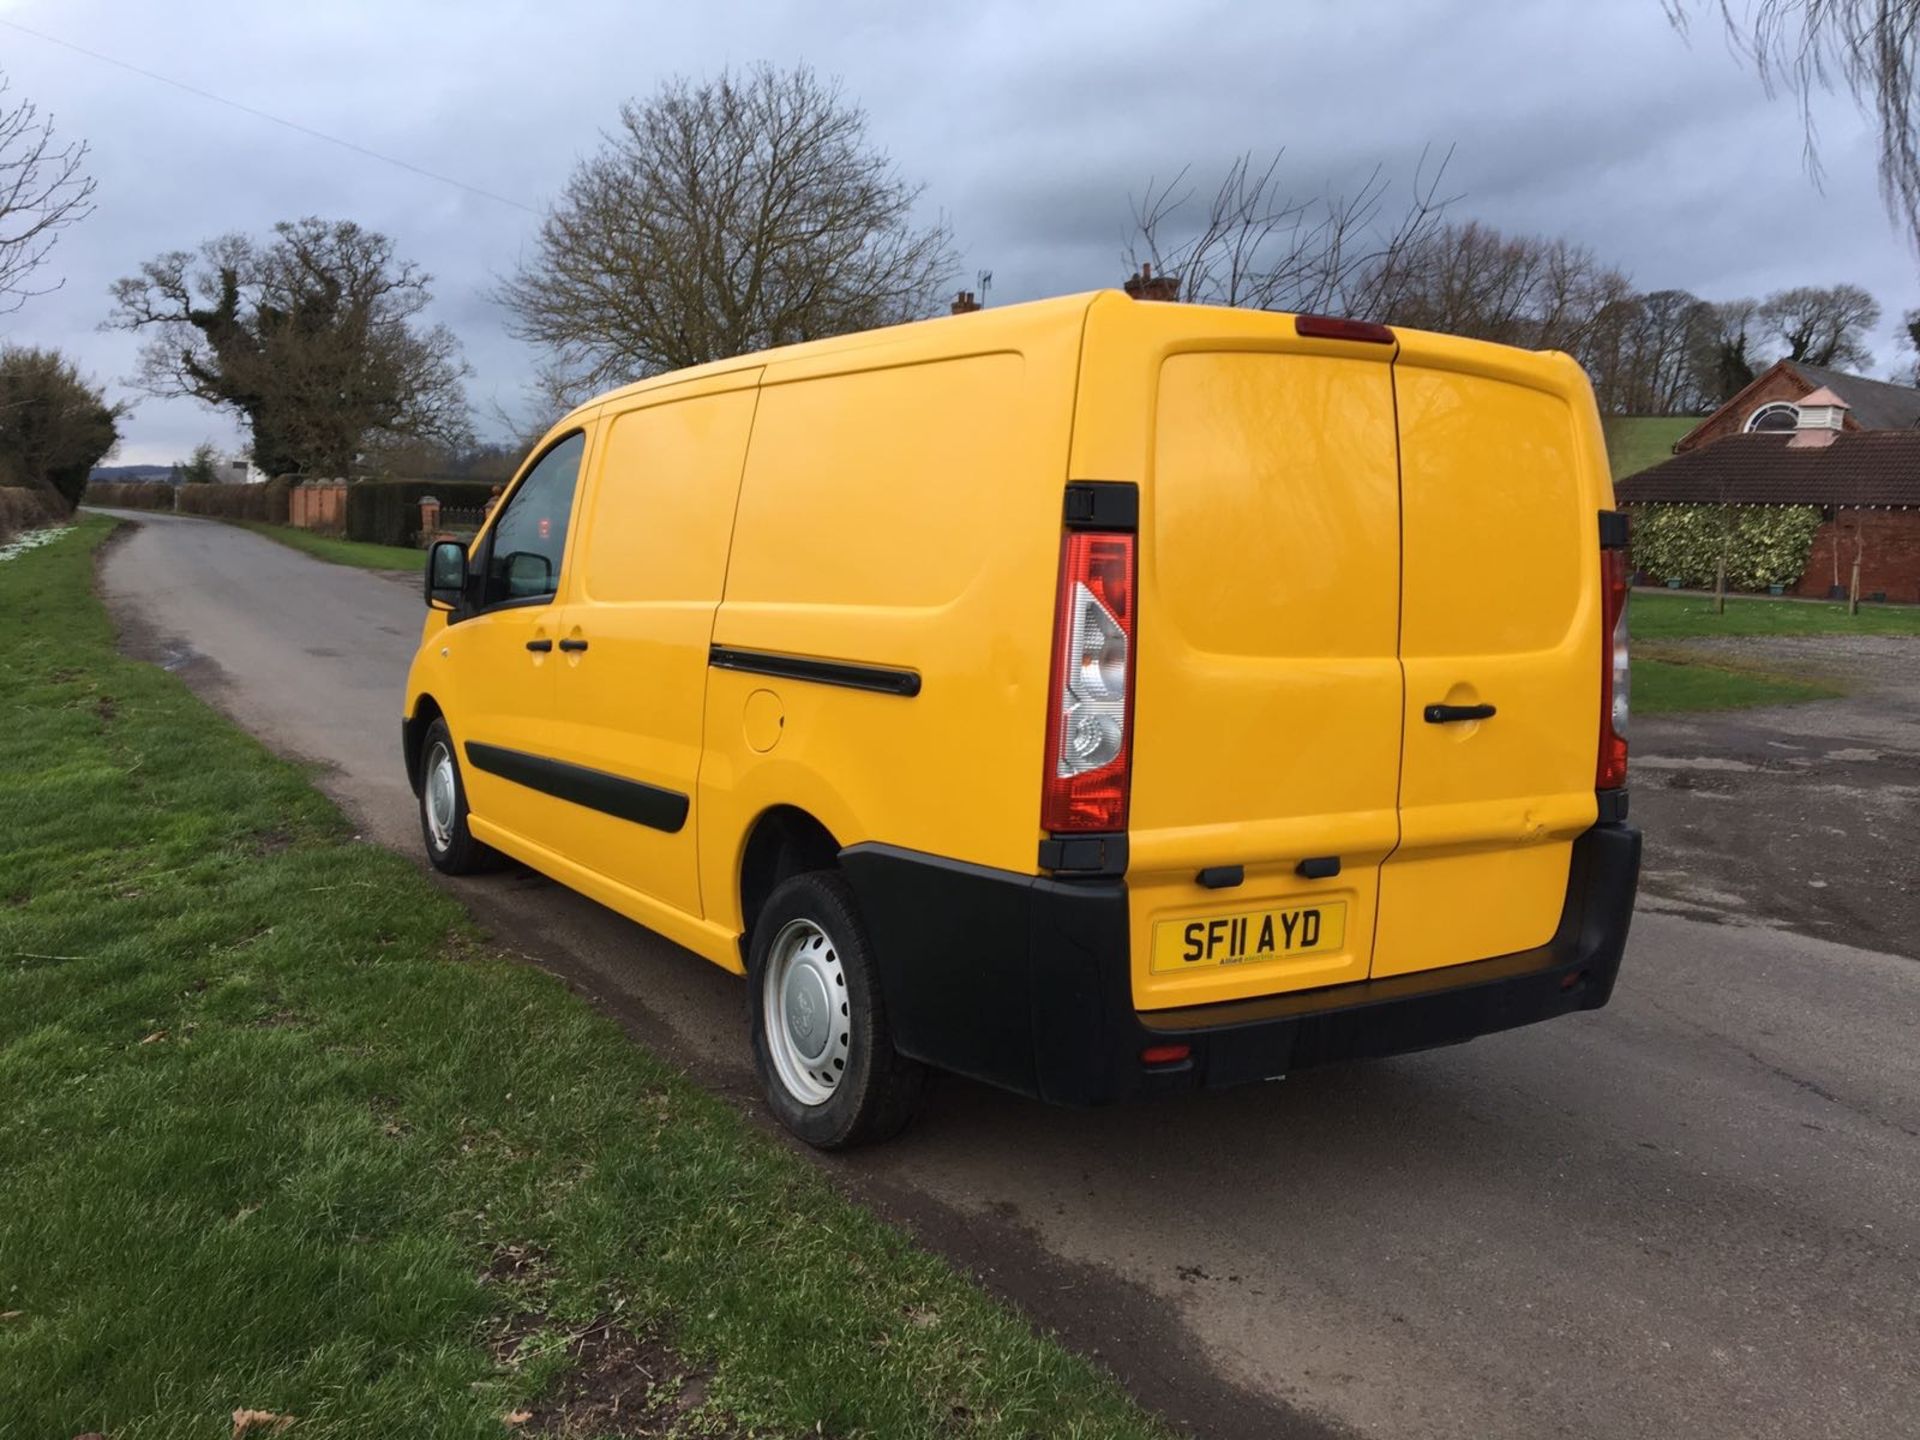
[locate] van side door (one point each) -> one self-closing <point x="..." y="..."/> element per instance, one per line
<point x="498" y="651"/>
<point x="630" y="690"/>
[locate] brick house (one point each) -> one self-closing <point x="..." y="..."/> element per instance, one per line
<point x="1771" y="403"/>
<point x="1865" y="478"/>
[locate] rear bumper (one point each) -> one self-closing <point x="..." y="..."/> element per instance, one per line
<point x="1023" y="981"/>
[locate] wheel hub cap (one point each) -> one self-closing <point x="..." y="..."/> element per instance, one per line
<point x="809" y="1031"/>
<point x="807" y="1010"/>
<point x="441" y="803"/>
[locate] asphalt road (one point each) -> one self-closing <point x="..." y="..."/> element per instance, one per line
<point x="1695" y="1213"/>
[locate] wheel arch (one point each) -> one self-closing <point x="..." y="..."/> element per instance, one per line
<point x="784" y="840"/>
<point x="425" y="711"/>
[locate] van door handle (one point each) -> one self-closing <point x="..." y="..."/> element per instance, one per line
<point x="1436" y="714"/>
<point x="540" y="647"/>
<point x="573" y="646"/>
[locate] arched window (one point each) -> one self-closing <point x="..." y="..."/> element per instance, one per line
<point x="1780" y="415"/>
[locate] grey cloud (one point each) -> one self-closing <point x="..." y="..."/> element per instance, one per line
<point x="1029" y="124"/>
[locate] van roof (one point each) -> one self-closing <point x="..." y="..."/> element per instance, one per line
<point x="981" y="325"/>
<point x="1005" y="324"/>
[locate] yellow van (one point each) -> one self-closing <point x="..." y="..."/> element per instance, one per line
<point x="1093" y="697"/>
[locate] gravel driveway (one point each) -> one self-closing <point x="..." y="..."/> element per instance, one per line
<point x="1802" y="816"/>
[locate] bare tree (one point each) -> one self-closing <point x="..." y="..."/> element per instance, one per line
<point x="43" y="190"/>
<point x="1868" y="46"/>
<point x="1910" y="342"/>
<point x="1471" y="279"/>
<point x="1822" y="324"/>
<point x="1256" y="244"/>
<point x="719" y="218"/>
<point x="1646" y="353"/>
<point x="313" y="337"/>
<point x="1726" y="363"/>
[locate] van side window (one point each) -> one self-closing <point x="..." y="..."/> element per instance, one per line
<point x="530" y="537"/>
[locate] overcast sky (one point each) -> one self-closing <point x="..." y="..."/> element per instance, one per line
<point x="1030" y="126"/>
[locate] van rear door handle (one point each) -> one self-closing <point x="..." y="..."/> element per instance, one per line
<point x="1436" y="714"/>
<point x="540" y="647"/>
<point x="573" y="646"/>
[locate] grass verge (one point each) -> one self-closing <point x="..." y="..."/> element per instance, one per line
<point x="1665" y="683"/>
<point x="1681" y="617"/>
<point x="340" y="552"/>
<point x="281" y="1134"/>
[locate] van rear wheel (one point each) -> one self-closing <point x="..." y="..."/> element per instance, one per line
<point x="820" y="1036"/>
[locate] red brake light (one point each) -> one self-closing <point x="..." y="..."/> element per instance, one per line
<point x="1616" y="674"/>
<point x="1332" y="327"/>
<point x="1090" y="696"/>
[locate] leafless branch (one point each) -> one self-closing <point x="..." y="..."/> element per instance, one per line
<point x="1868" y="47"/>
<point x="43" y="190"/>
<point x="1259" y="246"/>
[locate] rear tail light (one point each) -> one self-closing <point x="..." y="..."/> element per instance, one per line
<point x="1616" y="674"/>
<point x="1090" y="697"/>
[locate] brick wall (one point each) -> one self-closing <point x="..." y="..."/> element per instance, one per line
<point x="1890" y="560"/>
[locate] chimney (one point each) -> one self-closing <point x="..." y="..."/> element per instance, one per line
<point x="964" y="303"/>
<point x="1823" y="415"/>
<point x="1149" y="286"/>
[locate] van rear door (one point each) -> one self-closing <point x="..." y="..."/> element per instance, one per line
<point x="1268" y="706"/>
<point x="1499" y="619"/>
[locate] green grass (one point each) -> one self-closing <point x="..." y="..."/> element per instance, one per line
<point x="1674" y="617"/>
<point x="1636" y="441"/>
<point x="341" y="552"/>
<point x="1664" y="685"/>
<point x="268" y="1108"/>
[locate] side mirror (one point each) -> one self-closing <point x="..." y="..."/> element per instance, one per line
<point x="446" y="574"/>
<point x="529" y="573"/>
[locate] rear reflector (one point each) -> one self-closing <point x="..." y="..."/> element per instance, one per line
<point x="1090" y="696"/>
<point x="1165" y="1054"/>
<point x="1616" y="672"/>
<point x="1332" y="327"/>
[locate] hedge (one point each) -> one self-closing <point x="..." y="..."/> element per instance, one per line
<point x="387" y="512"/>
<point x="130" y="494"/>
<point x="266" y="502"/>
<point x="1769" y="544"/>
<point x="24" y="509"/>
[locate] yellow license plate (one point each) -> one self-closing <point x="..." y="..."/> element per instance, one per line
<point x="1249" y="936"/>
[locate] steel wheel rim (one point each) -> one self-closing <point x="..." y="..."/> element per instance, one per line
<point x="809" y="1029"/>
<point x="441" y="795"/>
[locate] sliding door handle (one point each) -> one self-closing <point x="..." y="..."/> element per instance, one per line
<point x="573" y="647"/>
<point x="1448" y="714"/>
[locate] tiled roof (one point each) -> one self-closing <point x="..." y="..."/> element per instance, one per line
<point x="1859" y="467"/>
<point x="1876" y="404"/>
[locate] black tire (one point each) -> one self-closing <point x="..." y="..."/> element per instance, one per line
<point x="876" y="1092"/>
<point x="454" y="852"/>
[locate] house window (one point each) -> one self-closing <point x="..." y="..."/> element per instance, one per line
<point x="1780" y="415"/>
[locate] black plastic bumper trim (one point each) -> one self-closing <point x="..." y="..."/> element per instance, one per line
<point x="1025" y="981"/>
<point x="1104" y="854"/>
<point x="635" y="800"/>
